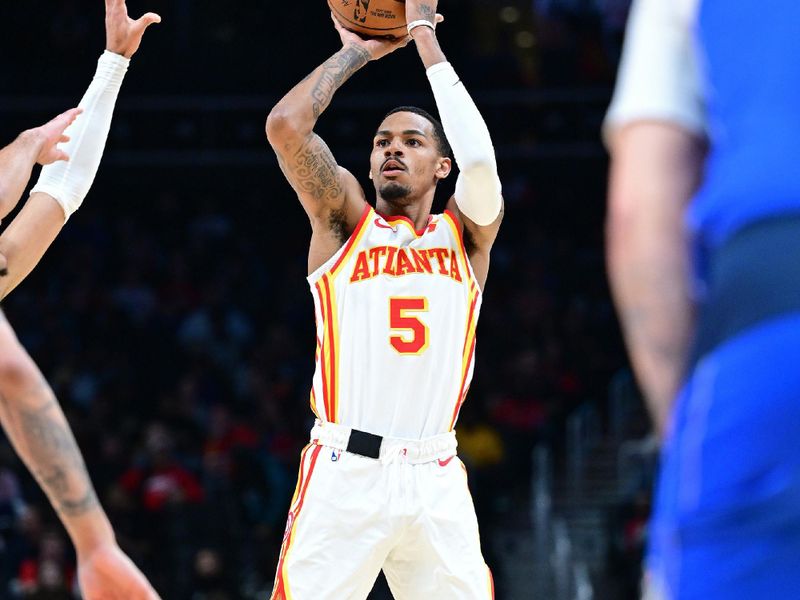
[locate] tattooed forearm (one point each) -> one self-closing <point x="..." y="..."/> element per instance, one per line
<point x="336" y="70"/>
<point x="38" y="429"/>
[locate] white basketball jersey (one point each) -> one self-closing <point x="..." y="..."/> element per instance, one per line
<point x="396" y="313"/>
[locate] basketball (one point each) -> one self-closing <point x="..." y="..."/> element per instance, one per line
<point x="371" y="18"/>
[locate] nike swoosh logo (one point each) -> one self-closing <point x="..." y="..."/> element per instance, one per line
<point x="444" y="463"/>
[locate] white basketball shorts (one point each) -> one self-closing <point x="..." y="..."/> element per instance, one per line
<point x="409" y="512"/>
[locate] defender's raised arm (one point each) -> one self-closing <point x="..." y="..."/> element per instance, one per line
<point x="62" y="186"/>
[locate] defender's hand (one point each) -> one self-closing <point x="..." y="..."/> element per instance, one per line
<point x="123" y="34"/>
<point x="422" y="10"/>
<point x="52" y="133"/>
<point x="108" y="574"/>
<point x="377" y="47"/>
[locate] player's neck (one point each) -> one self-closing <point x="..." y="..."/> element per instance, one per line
<point x="417" y="212"/>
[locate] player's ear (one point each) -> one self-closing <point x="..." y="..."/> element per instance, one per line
<point x="443" y="168"/>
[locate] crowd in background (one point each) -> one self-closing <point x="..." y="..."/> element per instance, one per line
<point x="173" y="319"/>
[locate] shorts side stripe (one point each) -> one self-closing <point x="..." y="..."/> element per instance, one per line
<point x="281" y="589"/>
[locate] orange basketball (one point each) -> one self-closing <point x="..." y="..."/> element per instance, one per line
<point x="371" y="18"/>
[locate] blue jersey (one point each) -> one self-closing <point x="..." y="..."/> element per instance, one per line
<point x="726" y="70"/>
<point x="748" y="53"/>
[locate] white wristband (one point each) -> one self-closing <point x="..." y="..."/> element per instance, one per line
<point x="69" y="182"/>
<point x="420" y="23"/>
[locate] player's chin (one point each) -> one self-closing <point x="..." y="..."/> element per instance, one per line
<point x="394" y="190"/>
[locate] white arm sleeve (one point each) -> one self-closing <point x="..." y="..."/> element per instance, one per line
<point x="478" y="189"/>
<point x="69" y="182"/>
<point x="659" y="76"/>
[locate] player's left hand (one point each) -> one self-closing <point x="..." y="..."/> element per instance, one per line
<point x="123" y="34"/>
<point x="108" y="574"/>
<point x="422" y="10"/>
<point x="50" y="134"/>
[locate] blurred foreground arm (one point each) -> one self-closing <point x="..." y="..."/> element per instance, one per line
<point x="36" y="426"/>
<point x="655" y="133"/>
<point x="655" y="169"/>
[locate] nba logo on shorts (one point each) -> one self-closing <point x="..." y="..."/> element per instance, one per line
<point x="335" y="455"/>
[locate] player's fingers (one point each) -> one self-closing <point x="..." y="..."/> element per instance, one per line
<point x="70" y="115"/>
<point x="336" y="23"/>
<point x="60" y="155"/>
<point x="63" y="139"/>
<point x="147" y="19"/>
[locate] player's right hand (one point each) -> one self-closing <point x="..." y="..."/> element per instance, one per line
<point x="108" y="574"/>
<point x="377" y="47"/>
<point x="51" y="134"/>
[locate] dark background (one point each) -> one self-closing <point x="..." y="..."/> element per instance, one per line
<point x="173" y="319"/>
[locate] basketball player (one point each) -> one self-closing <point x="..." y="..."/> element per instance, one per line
<point x="704" y="218"/>
<point x="29" y="411"/>
<point x="397" y="292"/>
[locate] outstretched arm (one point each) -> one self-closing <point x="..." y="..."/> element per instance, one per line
<point x="62" y="186"/>
<point x="36" y="426"/>
<point x="478" y="198"/>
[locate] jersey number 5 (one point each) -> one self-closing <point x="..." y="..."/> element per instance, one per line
<point x="409" y="334"/>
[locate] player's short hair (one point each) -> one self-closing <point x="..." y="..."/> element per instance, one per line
<point x="438" y="130"/>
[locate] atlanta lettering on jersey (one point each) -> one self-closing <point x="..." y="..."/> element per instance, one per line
<point x="396" y="262"/>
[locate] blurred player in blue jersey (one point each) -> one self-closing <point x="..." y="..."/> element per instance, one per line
<point x="704" y="259"/>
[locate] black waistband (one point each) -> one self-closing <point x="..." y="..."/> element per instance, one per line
<point x="754" y="276"/>
<point x="365" y="444"/>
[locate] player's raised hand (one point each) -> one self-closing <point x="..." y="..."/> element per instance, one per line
<point x="51" y="134"/>
<point x="108" y="574"/>
<point x="123" y="34"/>
<point x="377" y="47"/>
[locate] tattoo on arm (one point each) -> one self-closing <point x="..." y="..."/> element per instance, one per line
<point x="313" y="172"/>
<point x="336" y="70"/>
<point x="427" y="12"/>
<point x="50" y="450"/>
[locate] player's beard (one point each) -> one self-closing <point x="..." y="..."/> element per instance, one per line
<point x="395" y="192"/>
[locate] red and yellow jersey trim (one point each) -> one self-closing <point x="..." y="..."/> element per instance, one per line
<point x="394" y="221"/>
<point x="353" y="242"/>
<point x="281" y="589"/>
<point x="468" y="350"/>
<point x="455" y="225"/>
<point x="328" y="356"/>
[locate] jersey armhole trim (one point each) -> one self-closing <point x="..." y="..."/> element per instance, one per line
<point x="345" y="251"/>
<point x="456" y="226"/>
<point x="353" y="241"/>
